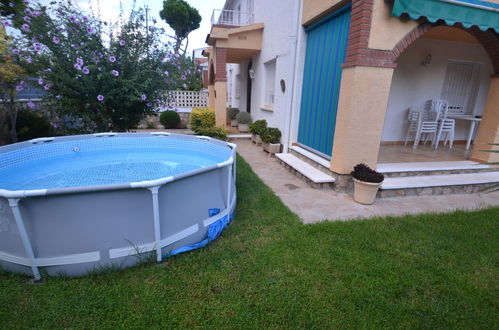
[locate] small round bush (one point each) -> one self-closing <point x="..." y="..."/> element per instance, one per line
<point x="32" y="124"/>
<point x="258" y="127"/>
<point x="271" y="135"/>
<point x="202" y="118"/>
<point x="219" y="133"/>
<point x="243" y="118"/>
<point x="362" y="172"/>
<point x="232" y="113"/>
<point x="169" y="119"/>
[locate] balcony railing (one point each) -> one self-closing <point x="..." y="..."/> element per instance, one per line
<point x="231" y="17"/>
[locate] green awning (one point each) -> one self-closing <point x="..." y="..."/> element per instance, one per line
<point x="483" y="14"/>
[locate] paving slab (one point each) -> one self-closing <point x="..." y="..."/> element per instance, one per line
<point x="315" y="205"/>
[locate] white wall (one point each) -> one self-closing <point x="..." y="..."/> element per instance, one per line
<point x="413" y="83"/>
<point x="281" y="19"/>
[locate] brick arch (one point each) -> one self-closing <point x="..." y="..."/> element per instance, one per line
<point x="488" y="39"/>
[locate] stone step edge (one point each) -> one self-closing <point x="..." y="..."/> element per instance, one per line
<point x="436" y="180"/>
<point x="305" y="169"/>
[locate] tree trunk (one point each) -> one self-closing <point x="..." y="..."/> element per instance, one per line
<point x="12" y="111"/>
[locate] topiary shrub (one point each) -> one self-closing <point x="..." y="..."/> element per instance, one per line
<point x="169" y="119"/>
<point x="243" y="118"/>
<point x="362" y="172"/>
<point x="271" y="135"/>
<point x="219" y="133"/>
<point x="232" y="113"/>
<point x="202" y="118"/>
<point x="32" y="124"/>
<point x="258" y="127"/>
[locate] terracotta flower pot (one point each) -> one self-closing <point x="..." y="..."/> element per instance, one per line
<point x="365" y="192"/>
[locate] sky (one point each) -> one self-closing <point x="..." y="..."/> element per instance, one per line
<point x="110" y="10"/>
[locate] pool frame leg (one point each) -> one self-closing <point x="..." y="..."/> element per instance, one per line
<point x="14" y="206"/>
<point x="157" y="228"/>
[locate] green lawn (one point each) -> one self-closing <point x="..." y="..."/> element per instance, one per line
<point x="268" y="270"/>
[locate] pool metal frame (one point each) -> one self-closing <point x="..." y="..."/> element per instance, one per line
<point x="14" y="196"/>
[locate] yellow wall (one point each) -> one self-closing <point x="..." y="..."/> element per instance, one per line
<point x="361" y="114"/>
<point x="211" y="96"/>
<point x="220" y="103"/>
<point x="488" y="131"/>
<point x="313" y="9"/>
<point x="387" y="30"/>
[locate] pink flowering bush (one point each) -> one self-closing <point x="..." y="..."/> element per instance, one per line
<point x="103" y="78"/>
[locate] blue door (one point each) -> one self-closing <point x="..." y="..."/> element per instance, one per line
<point x="326" y="48"/>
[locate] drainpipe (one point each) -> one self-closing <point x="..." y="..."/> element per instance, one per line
<point x="291" y="100"/>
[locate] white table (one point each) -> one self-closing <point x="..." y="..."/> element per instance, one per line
<point x="473" y="121"/>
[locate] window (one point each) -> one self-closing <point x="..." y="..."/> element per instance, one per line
<point x="269" y="84"/>
<point x="237" y="92"/>
<point x="461" y="85"/>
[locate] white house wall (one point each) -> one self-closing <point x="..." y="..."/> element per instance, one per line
<point x="414" y="83"/>
<point x="281" y="19"/>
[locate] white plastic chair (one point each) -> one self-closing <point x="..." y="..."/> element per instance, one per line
<point x="423" y="124"/>
<point x="445" y="125"/>
<point x="413" y="121"/>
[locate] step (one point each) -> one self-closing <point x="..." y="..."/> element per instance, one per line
<point x="239" y="136"/>
<point x="310" y="155"/>
<point x="438" y="184"/>
<point x="432" y="168"/>
<point x="312" y="174"/>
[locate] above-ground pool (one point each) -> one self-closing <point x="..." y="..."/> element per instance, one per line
<point x="78" y="204"/>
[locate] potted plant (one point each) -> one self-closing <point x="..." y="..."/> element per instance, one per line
<point x="366" y="184"/>
<point x="270" y="138"/>
<point x="257" y="128"/>
<point x="232" y="113"/>
<point x="243" y="120"/>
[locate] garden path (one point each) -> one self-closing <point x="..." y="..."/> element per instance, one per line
<point x="315" y="205"/>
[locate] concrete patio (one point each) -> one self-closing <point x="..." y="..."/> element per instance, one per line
<point x="315" y="205"/>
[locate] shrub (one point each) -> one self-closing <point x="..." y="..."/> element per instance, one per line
<point x="362" y="172"/>
<point x="219" y="133"/>
<point x="169" y="119"/>
<point x="243" y="118"/>
<point x="258" y="127"/>
<point x="151" y="125"/>
<point x="271" y="135"/>
<point x="32" y="124"/>
<point x="202" y="118"/>
<point x="232" y="113"/>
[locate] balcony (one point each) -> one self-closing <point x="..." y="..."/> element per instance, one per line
<point x="231" y="18"/>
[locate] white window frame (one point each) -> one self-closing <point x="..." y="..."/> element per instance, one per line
<point x="270" y="79"/>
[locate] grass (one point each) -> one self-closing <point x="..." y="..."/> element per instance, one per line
<point x="268" y="270"/>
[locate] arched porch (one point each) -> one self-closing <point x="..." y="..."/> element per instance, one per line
<point x="441" y="62"/>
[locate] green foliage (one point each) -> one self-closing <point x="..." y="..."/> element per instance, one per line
<point x="362" y="172"/>
<point x="11" y="7"/>
<point x="33" y="124"/>
<point x="219" y="133"/>
<point x="258" y="127"/>
<point x="169" y="119"/>
<point x="232" y="113"/>
<point x="243" y="118"/>
<point x="202" y="118"/>
<point x="109" y="82"/>
<point x="182" y="18"/>
<point x="271" y="135"/>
